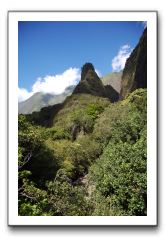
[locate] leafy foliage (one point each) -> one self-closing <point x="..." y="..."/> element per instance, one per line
<point x="93" y="110"/>
<point x="124" y="120"/>
<point x="75" y="157"/>
<point x="80" y="110"/>
<point x="120" y="177"/>
<point x="33" y="154"/>
<point x="61" y="198"/>
<point x="88" y="155"/>
<point x="91" y="161"/>
<point x="56" y="133"/>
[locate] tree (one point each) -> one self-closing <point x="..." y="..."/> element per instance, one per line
<point x="120" y="178"/>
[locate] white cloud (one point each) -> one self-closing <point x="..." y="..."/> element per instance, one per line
<point x="118" y="62"/>
<point x="53" y="84"/>
<point x="23" y="94"/>
<point x="57" y="84"/>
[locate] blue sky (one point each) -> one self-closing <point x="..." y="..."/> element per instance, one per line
<point x="51" y="54"/>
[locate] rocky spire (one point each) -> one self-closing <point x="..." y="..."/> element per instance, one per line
<point x="84" y="70"/>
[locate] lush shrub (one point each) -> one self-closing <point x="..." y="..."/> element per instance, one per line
<point x="93" y="110"/>
<point x="56" y="133"/>
<point x="89" y="136"/>
<point x="80" y="110"/>
<point x="120" y="177"/>
<point x="60" y="198"/>
<point x="80" y="155"/>
<point x="124" y="120"/>
<point x="75" y="157"/>
<point x="33" y="154"/>
<point x="33" y="201"/>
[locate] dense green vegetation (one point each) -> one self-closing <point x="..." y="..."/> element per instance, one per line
<point x="88" y="155"/>
<point x="89" y="158"/>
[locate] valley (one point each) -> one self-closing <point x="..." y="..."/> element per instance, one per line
<point x="84" y="153"/>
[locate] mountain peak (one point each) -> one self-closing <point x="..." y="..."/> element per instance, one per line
<point x="91" y="84"/>
<point x="85" y="69"/>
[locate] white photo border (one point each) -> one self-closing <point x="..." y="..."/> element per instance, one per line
<point x="13" y="18"/>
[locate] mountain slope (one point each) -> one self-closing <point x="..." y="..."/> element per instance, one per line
<point x="40" y="100"/>
<point x="135" y="71"/>
<point x="34" y="103"/>
<point x="80" y="109"/>
<point x="89" y="156"/>
<point x="91" y="84"/>
<point x="113" y="79"/>
<point x="91" y="138"/>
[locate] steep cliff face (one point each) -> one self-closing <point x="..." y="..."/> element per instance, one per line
<point x="135" y="71"/>
<point x="91" y="84"/>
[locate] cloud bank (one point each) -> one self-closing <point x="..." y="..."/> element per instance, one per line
<point x="53" y="84"/>
<point x="118" y="62"/>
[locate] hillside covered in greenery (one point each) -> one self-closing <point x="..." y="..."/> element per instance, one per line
<point x="86" y="156"/>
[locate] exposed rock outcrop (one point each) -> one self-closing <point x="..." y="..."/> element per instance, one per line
<point x="91" y="84"/>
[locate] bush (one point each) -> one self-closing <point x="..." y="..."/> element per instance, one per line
<point x="33" y="154"/>
<point x="122" y="121"/>
<point x="56" y="133"/>
<point x="90" y="137"/>
<point x="80" y="110"/>
<point x="93" y="110"/>
<point x="60" y="199"/>
<point x="120" y="177"/>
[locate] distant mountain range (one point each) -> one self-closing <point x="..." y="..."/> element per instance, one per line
<point x="40" y="100"/>
<point x="113" y="79"/>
